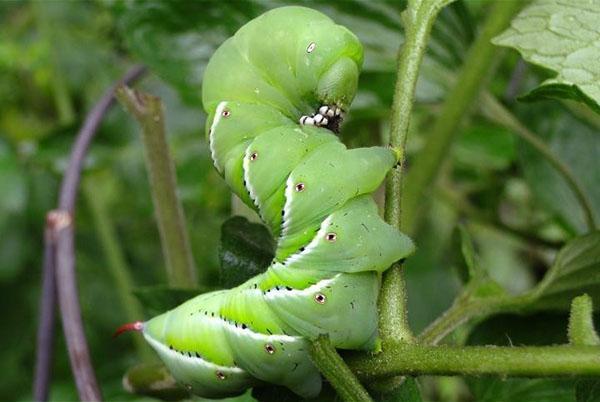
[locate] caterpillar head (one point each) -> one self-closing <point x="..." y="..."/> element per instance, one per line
<point x="291" y="59"/>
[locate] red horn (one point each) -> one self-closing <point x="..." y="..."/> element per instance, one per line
<point x="132" y="326"/>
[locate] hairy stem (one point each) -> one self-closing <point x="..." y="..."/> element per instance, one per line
<point x="475" y="71"/>
<point x="498" y="113"/>
<point x="401" y="358"/>
<point x="419" y="18"/>
<point x="331" y="365"/>
<point x="115" y="259"/>
<point x="148" y="111"/>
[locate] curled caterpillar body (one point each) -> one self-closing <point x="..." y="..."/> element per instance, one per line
<point x="275" y="94"/>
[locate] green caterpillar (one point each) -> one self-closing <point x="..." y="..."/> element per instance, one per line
<point x="276" y="93"/>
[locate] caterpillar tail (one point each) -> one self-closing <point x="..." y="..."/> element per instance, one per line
<point x="276" y="93"/>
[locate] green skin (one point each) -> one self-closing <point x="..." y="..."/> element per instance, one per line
<point x="313" y="194"/>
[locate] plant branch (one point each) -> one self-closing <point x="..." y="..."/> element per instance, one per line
<point x="466" y="307"/>
<point x="331" y="365"/>
<point x="70" y="310"/>
<point x="148" y="111"/>
<point x="47" y="313"/>
<point x="419" y="18"/>
<point x="61" y="264"/>
<point x="476" y="69"/>
<point x="401" y="358"/>
<point x="498" y="113"/>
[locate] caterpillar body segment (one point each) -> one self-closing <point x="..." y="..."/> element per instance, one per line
<point x="275" y="94"/>
<point x="289" y="59"/>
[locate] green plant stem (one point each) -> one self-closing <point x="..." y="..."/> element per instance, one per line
<point x="148" y="111"/>
<point x="583" y="112"/>
<point x="581" y="322"/>
<point x="466" y="307"/>
<point x="476" y="69"/>
<point x="456" y="315"/>
<point x="494" y="110"/>
<point x="116" y="262"/>
<point x="401" y="358"/>
<point x="331" y="365"/>
<point x="419" y="18"/>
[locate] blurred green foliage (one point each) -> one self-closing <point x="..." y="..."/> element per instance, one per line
<point x="57" y="58"/>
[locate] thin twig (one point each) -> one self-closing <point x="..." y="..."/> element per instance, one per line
<point x="148" y="111"/>
<point x="70" y="183"/>
<point x="70" y="310"/>
<point x="67" y="291"/>
<point x="47" y="312"/>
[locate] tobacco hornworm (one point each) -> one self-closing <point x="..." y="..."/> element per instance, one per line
<point x="276" y="93"/>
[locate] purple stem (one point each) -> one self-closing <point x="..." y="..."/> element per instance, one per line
<point x="59" y="266"/>
<point x="45" y="336"/>
<point x="70" y="183"/>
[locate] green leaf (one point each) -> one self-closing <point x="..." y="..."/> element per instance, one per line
<point x="158" y="299"/>
<point x="246" y="250"/>
<point x="479" y="284"/>
<point x="153" y="380"/>
<point x="485" y="147"/>
<point x="530" y="390"/>
<point x="407" y="392"/>
<point x="587" y="390"/>
<point x="576" y="270"/>
<point x="274" y="393"/>
<point x="561" y="36"/>
<point x="576" y="145"/>
<point x="176" y="39"/>
<point x="542" y="328"/>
